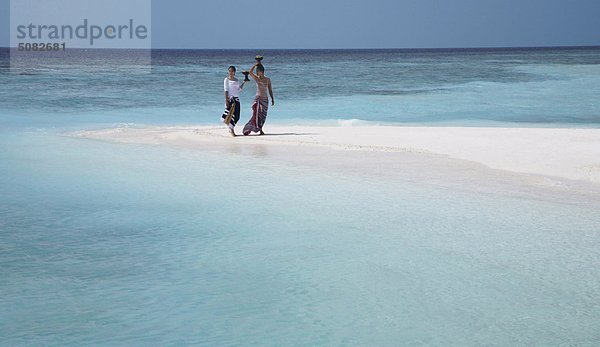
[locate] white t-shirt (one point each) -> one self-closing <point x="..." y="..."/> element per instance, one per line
<point x="232" y="88"/>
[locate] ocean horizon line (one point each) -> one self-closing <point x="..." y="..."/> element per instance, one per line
<point x="421" y="49"/>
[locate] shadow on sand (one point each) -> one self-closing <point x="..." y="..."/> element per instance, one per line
<point x="279" y="134"/>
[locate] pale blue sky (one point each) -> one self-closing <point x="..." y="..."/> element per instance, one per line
<point x="367" y="24"/>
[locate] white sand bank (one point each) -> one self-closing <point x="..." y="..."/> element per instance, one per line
<point x="553" y="156"/>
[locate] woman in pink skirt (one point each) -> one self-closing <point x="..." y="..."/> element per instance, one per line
<point x="261" y="101"/>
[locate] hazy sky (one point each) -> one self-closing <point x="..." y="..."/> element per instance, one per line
<point x="367" y="24"/>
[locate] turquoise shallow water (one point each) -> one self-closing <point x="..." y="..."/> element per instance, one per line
<point x="127" y="244"/>
<point x="107" y="244"/>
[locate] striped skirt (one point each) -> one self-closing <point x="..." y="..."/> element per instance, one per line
<point x="259" y="115"/>
<point x="232" y="114"/>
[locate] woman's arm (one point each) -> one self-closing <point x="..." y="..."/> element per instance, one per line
<point x="226" y="87"/>
<point x="252" y="71"/>
<point x="271" y="93"/>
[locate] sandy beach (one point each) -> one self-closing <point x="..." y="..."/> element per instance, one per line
<point x="524" y="159"/>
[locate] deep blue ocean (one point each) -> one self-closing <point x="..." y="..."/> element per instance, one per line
<point x="556" y="87"/>
<point x="118" y="244"/>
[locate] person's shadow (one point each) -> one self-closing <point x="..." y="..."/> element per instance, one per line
<point x="281" y="134"/>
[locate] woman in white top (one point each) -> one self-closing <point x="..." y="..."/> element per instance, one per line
<point x="232" y="101"/>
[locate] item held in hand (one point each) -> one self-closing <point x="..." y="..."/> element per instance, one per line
<point x="246" y="73"/>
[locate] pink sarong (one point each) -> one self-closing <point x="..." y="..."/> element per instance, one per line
<point x="259" y="115"/>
